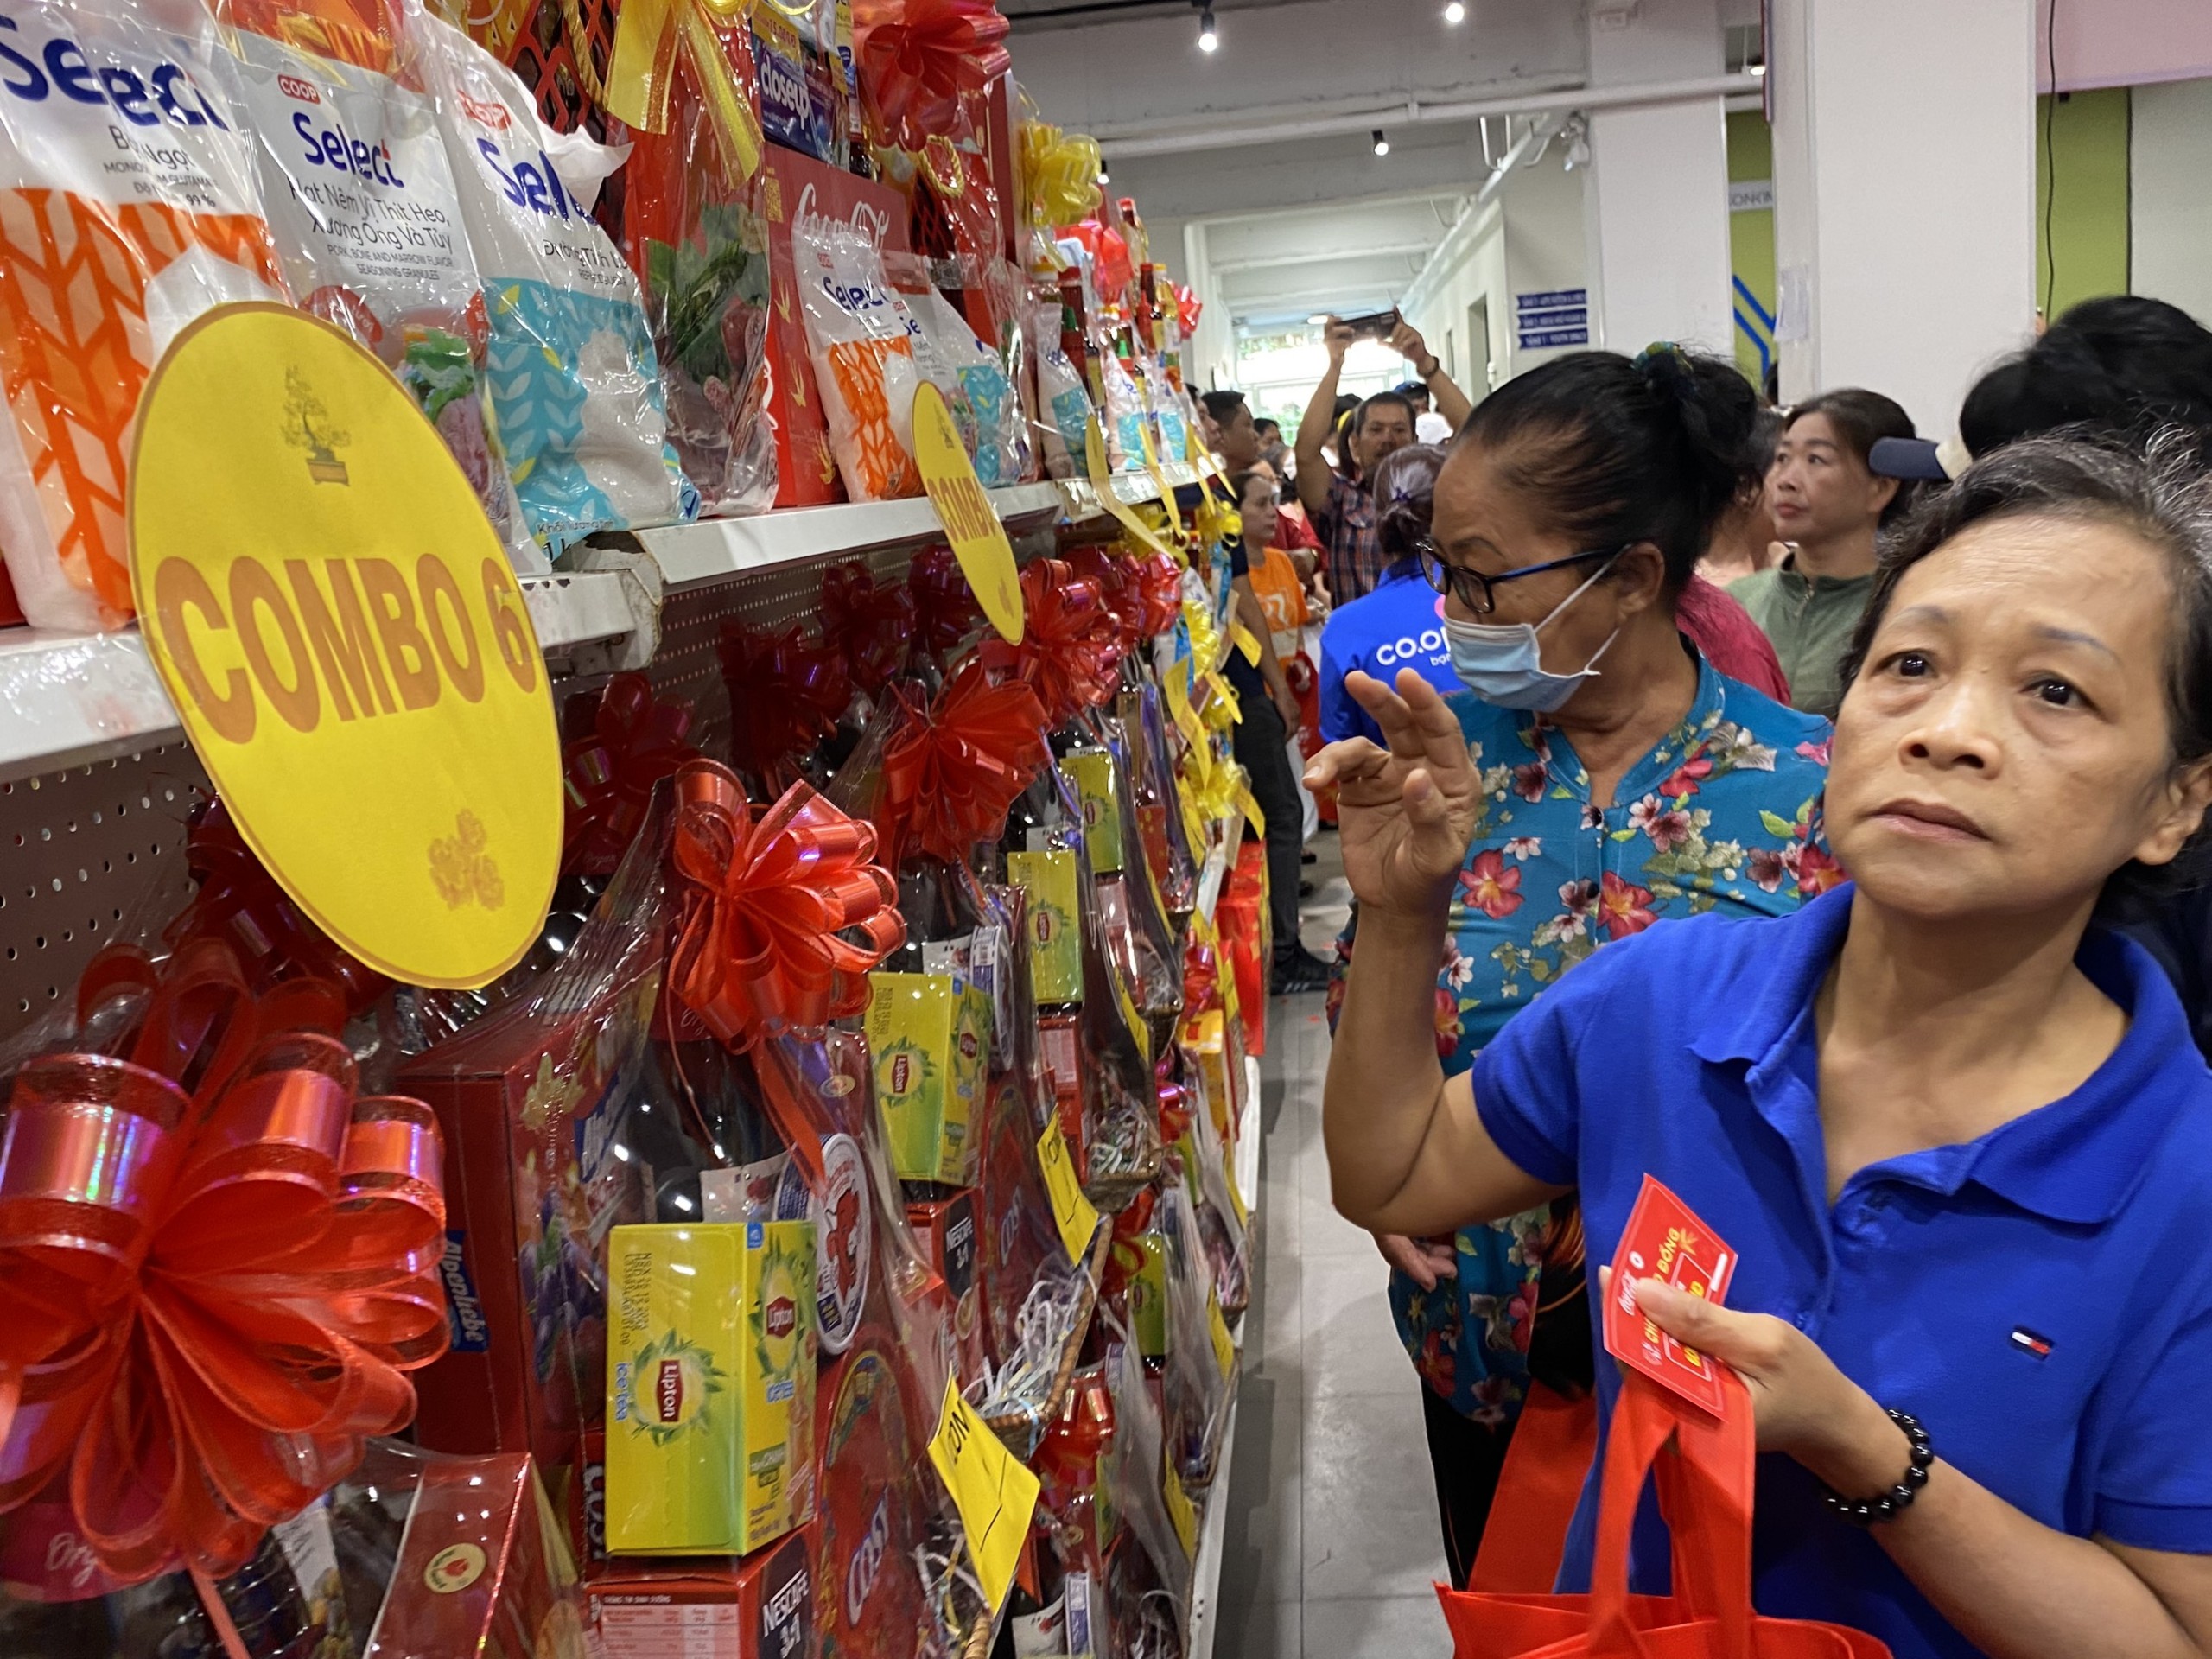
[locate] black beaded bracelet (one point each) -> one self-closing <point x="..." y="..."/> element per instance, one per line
<point x="1869" y="1512"/>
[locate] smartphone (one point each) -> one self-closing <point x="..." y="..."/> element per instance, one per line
<point x="1376" y="325"/>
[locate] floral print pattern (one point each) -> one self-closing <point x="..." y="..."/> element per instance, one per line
<point x="1723" y="814"/>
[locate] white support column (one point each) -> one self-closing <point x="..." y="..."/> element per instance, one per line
<point x="1904" y="182"/>
<point x="1657" y="203"/>
<point x="1210" y="359"/>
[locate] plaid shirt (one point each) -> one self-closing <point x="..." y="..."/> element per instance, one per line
<point x="1347" y="527"/>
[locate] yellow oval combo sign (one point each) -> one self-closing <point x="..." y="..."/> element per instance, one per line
<point x="340" y="630"/>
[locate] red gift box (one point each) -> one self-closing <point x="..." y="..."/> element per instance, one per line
<point x="796" y="189"/>
<point x="756" y="1606"/>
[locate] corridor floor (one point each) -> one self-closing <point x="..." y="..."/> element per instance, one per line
<point x="1332" y="1545"/>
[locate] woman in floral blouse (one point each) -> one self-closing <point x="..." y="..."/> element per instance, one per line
<point x="1654" y="787"/>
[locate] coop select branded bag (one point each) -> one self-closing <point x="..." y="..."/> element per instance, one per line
<point x="127" y="208"/>
<point x="361" y="198"/>
<point x="575" y="384"/>
<point x="861" y="337"/>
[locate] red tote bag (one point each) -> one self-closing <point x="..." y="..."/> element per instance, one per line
<point x="1704" y="1470"/>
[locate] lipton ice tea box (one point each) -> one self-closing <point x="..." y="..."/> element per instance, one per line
<point x="930" y="1036"/>
<point x="127" y="208"/>
<point x="710" y="1360"/>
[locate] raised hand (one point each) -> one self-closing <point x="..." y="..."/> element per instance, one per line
<point x="1405" y="815"/>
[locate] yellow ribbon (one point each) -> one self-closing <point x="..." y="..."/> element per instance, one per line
<point x="641" y="71"/>
<point x="1060" y="171"/>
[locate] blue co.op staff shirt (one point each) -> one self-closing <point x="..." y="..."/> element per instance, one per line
<point x="2041" y="1298"/>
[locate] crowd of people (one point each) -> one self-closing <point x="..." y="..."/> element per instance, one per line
<point x="1915" y="739"/>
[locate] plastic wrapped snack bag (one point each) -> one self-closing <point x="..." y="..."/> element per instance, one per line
<point x="1063" y="404"/>
<point x="127" y="208"/>
<point x="860" y="337"/>
<point x="367" y="220"/>
<point x="997" y="444"/>
<point x="575" y="384"/>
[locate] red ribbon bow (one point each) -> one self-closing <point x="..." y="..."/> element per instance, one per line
<point x="1070" y="651"/>
<point x="240" y="904"/>
<point x="786" y="696"/>
<point x="867" y="624"/>
<point x="220" y="1264"/>
<point x="945" y="611"/>
<point x="954" y="769"/>
<point x="760" y="948"/>
<point x="1160" y="594"/>
<point x="918" y="59"/>
<point x="635" y="741"/>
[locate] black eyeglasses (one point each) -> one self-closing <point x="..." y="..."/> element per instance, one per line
<point x="1473" y="590"/>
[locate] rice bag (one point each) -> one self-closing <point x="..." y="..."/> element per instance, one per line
<point x="128" y="207"/>
<point x="702" y="250"/>
<point x="575" y="382"/>
<point x="860" y="339"/>
<point x="360" y="194"/>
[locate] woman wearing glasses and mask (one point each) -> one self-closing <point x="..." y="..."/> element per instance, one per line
<point x="1622" y="780"/>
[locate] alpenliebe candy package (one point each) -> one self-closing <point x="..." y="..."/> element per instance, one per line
<point x="710" y="1361"/>
<point x="366" y="215"/>
<point x="759" y="1607"/>
<point x="700" y="246"/>
<point x="127" y="208"/>
<point x="575" y="378"/>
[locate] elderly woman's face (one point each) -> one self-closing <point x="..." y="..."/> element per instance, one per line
<point x="2006" y="745"/>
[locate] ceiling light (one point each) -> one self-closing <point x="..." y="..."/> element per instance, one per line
<point x="1317" y="319"/>
<point x="1208" y="41"/>
<point x="1104" y="177"/>
<point x="1382" y="144"/>
<point x="1455" y="13"/>
<point x="1758" y="69"/>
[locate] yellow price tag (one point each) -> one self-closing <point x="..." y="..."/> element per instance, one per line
<point x="1224" y="1351"/>
<point x="1250" y="809"/>
<point x="994" y="1494"/>
<point x="1159" y="476"/>
<point x="346" y="644"/>
<point x="1175" y="688"/>
<point x="1246" y="641"/>
<point x="1102" y="479"/>
<point x="1138" y="1028"/>
<point x="971" y="523"/>
<point x="1073" y="1214"/>
<point x="1186" y="1518"/>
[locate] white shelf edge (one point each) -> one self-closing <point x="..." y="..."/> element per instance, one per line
<point x="1213" y="1525"/>
<point x="716" y="550"/>
<point x="72" y="699"/>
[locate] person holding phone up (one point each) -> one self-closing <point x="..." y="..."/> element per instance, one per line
<point x="1339" y="501"/>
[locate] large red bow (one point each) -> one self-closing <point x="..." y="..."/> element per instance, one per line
<point x="759" y="948"/>
<point x="869" y="625"/>
<point x="635" y="741"/>
<point x="217" y="1275"/>
<point x="945" y="611"/>
<point x="785" y="696"/>
<point x="1119" y="588"/>
<point x="240" y="903"/>
<point x="956" y="768"/>
<point x="1070" y="651"/>
<point x="1160" y="593"/>
<point x="917" y="58"/>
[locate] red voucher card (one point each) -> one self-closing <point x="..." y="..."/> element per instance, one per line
<point x="1664" y="1241"/>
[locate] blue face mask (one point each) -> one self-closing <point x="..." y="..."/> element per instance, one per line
<point x="1503" y="663"/>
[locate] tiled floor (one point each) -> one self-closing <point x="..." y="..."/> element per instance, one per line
<point x="1333" y="1542"/>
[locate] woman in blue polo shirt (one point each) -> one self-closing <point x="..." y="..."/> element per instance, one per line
<point x="1957" y="1136"/>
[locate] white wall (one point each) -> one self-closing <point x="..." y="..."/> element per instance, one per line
<point x="1468" y="267"/>
<point x="2170" y="210"/>
<point x="1545" y="250"/>
<point x="1905" y="193"/>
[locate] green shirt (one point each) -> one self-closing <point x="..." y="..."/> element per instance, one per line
<point x="1810" y="619"/>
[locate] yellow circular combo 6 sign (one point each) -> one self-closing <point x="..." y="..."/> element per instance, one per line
<point x="344" y="637"/>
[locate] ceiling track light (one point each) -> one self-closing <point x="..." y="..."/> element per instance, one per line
<point x="1382" y="144"/>
<point x="1208" y="40"/>
<point x="1455" y="12"/>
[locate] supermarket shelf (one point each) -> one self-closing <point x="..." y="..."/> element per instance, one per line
<point x="1080" y="496"/>
<point x="715" y="550"/>
<point x="69" y="699"/>
<point x="1213" y="1526"/>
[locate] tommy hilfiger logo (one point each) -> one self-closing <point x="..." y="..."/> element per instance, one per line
<point x="2028" y="1342"/>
